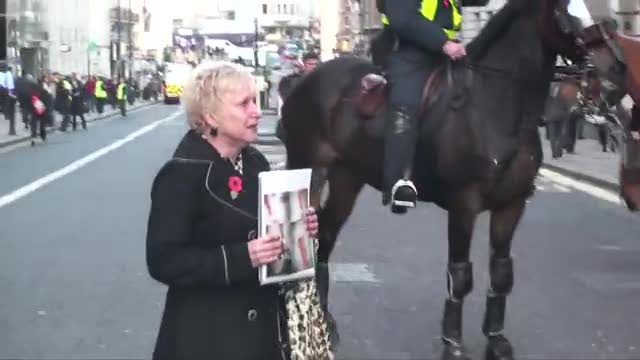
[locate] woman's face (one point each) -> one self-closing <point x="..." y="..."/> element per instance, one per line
<point x="237" y="119"/>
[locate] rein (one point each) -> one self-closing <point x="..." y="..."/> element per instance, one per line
<point x="475" y="67"/>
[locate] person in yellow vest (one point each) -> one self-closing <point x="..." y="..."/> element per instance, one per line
<point x="425" y="33"/>
<point x="121" y="96"/>
<point x="63" y="99"/>
<point x="101" y="95"/>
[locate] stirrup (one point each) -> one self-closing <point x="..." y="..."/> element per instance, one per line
<point x="403" y="203"/>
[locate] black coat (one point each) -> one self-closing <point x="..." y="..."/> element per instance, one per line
<point x="197" y="245"/>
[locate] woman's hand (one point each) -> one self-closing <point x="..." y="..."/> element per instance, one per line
<point x="312" y="222"/>
<point x="265" y="250"/>
<point x="635" y="135"/>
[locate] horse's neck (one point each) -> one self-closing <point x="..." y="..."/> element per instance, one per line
<point x="520" y="52"/>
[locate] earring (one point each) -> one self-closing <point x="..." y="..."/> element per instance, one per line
<point x="213" y="131"/>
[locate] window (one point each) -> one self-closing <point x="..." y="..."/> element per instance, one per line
<point x="627" y="26"/>
<point x="285" y="8"/>
<point x="279" y="9"/>
<point x="264" y="8"/>
<point x="293" y="8"/>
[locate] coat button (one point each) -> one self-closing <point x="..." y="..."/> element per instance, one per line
<point x="252" y="315"/>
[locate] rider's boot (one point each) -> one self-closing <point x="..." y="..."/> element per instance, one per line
<point x="400" y="140"/>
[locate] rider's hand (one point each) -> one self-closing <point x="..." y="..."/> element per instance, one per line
<point x="265" y="250"/>
<point x="454" y="50"/>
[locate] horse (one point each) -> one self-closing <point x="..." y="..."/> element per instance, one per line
<point x="617" y="59"/>
<point x="478" y="150"/>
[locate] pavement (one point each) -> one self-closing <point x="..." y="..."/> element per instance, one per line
<point x="24" y="134"/>
<point x="74" y="283"/>
<point x="588" y="163"/>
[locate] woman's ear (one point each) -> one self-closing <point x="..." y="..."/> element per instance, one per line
<point x="210" y="120"/>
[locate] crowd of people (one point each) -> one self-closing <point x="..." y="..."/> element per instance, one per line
<point x="71" y="96"/>
<point x="572" y="105"/>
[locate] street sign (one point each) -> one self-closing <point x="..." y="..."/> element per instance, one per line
<point x="92" y="46"/>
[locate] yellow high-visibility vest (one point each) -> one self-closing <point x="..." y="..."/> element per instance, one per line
<point x="429" y="8"/>
<point x="120" y="92"/>
<point x="100" y="93"/>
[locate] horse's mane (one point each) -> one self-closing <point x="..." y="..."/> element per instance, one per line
<point x="496" y="26"/>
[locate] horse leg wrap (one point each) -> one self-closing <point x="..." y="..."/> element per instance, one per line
<point x="501" y="270"/>
<point x="459" y="280"/>
<point x="322" y="279"/>
<point x="459" y="284"/>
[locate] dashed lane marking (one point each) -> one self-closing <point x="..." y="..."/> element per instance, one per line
<point x="352" y="272"/>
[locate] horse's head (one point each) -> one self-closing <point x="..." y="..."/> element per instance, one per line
<point x="562" y="29"/>
<point x="605" y="53"/>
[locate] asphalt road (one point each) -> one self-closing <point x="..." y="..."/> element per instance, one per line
<point x="74" y="285"/>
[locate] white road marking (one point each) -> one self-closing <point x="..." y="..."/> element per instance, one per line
<point x="610" y="247"/>
<point x="570" y="183"/>
<point x="37" y="184"/>
<point x="561" y="188"/>
<point x="352" y="272"/>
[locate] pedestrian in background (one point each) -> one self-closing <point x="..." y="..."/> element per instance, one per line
<point x="90" y="93"/>
<point x="101" y="94"/>
<point x="63" y="99"/>
<point x="8" y="96"/>
<point x="40" y="102"/>
<point x="121" y="96"/>
<point x="634" y="126"/>
<point x="77" y="102"/>
<point x="201" y="240"/>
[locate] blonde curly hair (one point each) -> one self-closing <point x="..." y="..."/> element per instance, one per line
<point x="207" y="86"/>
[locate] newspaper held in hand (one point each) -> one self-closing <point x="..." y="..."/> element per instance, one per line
<point x="284" y="201"/>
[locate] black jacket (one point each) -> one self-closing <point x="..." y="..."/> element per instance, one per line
<point x="412" y="28"/>
<point x="197" y="245"/>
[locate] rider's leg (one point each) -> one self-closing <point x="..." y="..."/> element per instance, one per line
<point x="408" y="76"/>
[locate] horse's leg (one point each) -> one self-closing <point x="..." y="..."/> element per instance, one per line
<point x="459" y="280"/>
<point x="503" y="225"/>
<point x="344" y="188"/>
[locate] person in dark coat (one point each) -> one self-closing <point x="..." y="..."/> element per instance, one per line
<point x="63" y="99"/>
<point x="77" y="102"/>
<point x="201" y="238"/>
<point x="40" y="101"/>
<point x="424" y="32"/>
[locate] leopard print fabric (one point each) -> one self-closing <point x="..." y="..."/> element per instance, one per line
<point x="308" y="331"/>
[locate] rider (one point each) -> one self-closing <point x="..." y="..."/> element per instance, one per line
<point x="425" y="32"/>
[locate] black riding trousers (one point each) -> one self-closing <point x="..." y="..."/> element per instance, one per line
<point x="407" y="70"/>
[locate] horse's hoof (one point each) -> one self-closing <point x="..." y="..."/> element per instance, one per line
<point x="398" y="209"/>
<point x="499" y="348"/>
<point x="454" y="352"/>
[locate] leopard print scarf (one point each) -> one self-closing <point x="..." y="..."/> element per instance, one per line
<point x="308" y="331"/>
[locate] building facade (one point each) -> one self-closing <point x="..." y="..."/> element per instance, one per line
<point x="627" y="14"/>
<point x="284" y="19"/>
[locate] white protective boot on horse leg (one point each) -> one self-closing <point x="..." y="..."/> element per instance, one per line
<point x="459" y="285"/>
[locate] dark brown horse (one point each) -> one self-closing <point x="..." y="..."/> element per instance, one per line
<point x="479" y="147"/>
<point x="617" y="59"/>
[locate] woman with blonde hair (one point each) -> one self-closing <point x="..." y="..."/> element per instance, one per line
<point x="201" y="238"/>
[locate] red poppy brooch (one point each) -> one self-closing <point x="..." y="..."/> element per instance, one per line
<point x="235" y="186"/>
